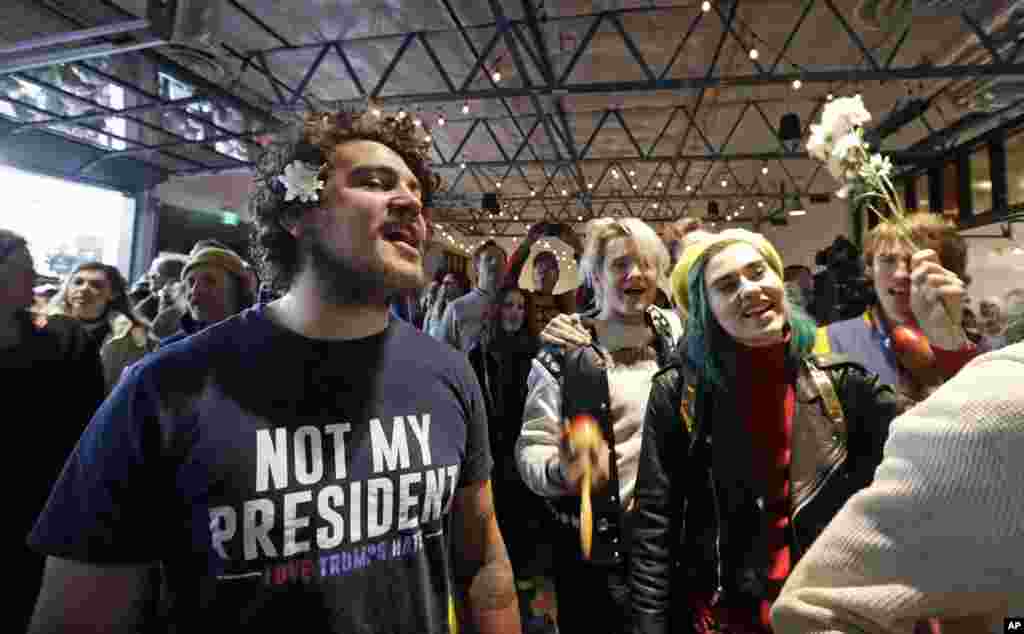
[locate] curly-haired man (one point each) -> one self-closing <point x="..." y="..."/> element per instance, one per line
<point x="304" y="461"/>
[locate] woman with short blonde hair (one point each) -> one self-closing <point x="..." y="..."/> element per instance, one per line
<point x="607" y="378"/>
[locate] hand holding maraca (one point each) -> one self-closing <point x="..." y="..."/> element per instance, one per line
<point x="585" y="456"/>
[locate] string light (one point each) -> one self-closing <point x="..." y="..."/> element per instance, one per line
<point x="375" y="112"/>
<point x="725" y="183"/>
<point x="590" y="186"/>
<point x="465" y="108"/>
<point x="660" y="184"/>
<point x="440" y="120"/>
<point x="462" y="165"/>
<point x="689" y="188"/>
<point x="565" y="193"/>
<point x="764" y="170"/>
<point x="417" y="122"/>
<point x="706" y="6"/>
<point x="830" y="97"/>
<point x="754" y="54"/>
<point x="615" y="175"/>
<point x="498" y="184"/>
<point x="496" y="76"/>
<point x="797" y="84"/>
<point x="533" y="193"/>
<point x="401" y="114"/>
<point x="632" y="173"/>
<point x="655" y="205"/>
<point x="429" y="138"/>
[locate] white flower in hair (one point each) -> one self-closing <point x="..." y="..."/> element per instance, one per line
<point x="302" y="181"/>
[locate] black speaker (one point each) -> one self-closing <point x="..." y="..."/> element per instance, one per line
<point x="490" y="202"/>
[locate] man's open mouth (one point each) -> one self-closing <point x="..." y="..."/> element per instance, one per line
<point x="405" y="235"/>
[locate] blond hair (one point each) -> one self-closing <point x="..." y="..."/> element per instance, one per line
<point x="928" y="231"/>
<point x="604" y="230"/>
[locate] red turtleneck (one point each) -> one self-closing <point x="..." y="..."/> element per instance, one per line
<point x="766" y="402"/>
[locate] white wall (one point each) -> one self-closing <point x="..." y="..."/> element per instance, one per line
<point x="806" y="235"/>
<point x="996" y="265"/>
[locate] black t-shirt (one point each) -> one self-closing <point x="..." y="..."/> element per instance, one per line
<point x="280" y="481"/>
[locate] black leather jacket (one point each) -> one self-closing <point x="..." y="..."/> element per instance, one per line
<point x="699" y="518"/>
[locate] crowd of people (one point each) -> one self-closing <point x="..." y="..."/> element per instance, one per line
<point x="362" y="450"/>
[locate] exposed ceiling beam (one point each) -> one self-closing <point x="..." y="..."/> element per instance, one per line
<point x="736" y="157"/>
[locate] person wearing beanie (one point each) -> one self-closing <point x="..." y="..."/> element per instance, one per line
<point x="216" y="286"/>
<point x="750" y="444"/>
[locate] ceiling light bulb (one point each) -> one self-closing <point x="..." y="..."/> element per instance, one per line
<point x="655" y="205"/>
<point x="764" y="170"/>
<point x="590" y="186"/>
<point x="754" y="54"/>
<point x="580" y="218"/>
<point x="660" y="184"/>
<point x="498" y="184"/>
<point x="565" y="193"/>
<point x="463" y="166"/>
<point x="797" y="84"/>
<point x="760" y="203"/>
<point x="632" y="173"/>
<point x="429" y="138"/>
<point x="465" y="108"/>
<point x="533" y="193"/>
<point x="496" y="76"/>
<point x="615" y="174"/>
<point x="706" y="6"/>
<point x="634" y="187"/>
<point x="689" y="188"/>
<point x="725" y="183"/>
<point x="440" y="121"/>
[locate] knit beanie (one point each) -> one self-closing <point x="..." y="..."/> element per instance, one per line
<point x="222" y="258"/>
<point x="693" y="253"/>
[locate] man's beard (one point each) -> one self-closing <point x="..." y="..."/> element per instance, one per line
<point x="342" y="283"/>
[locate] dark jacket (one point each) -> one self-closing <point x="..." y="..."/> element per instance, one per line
<point x="700" y="514"/>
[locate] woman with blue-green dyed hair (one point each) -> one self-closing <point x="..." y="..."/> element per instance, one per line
<point x="750" y="445"/>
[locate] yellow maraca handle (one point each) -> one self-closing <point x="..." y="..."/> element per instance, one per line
<point x="586" y="512"/>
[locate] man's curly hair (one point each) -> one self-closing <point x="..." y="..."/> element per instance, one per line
<point x="276" y="251"/>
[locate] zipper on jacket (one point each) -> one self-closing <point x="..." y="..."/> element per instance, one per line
<point x="809" y="498"/>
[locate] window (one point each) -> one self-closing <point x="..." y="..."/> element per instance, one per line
<point x="26" y="101"/>
<point x="67" y="223"/>
<point x="1015" y="168"/>
<point x="981" y="180"/>
<point x="227" y="119"/>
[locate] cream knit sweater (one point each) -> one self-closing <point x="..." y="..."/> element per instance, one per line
<point x="940" y="532"/>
